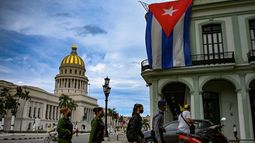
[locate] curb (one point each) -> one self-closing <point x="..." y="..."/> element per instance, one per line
<point x="30" y="138"/>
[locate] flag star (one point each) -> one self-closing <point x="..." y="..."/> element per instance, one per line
<point x="170" y="11"/>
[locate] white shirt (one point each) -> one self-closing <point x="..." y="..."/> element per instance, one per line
<point x="182" y="124"/>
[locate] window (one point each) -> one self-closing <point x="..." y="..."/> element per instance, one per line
<point x="39" y="110"/>
<point x="75" y="71"/>
<point x="46" y="114"/>
<point x="252" y="33"/>
<point x="172" y="126"/>
<point x="212" y="41"/>
<point x="34" y="112"/>
<point x="70" y="71"/>
<point x="65" y="70"/>
<point x="29" y="111"/>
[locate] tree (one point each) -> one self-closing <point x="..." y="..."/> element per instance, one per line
<point x="11" y="102"/>
<point x="66" y="101"/>
<point x="145" y="124"/>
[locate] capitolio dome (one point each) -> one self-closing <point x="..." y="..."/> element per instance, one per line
<point x="73" y="59"/>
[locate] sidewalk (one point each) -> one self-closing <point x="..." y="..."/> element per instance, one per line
<point x="116" y="138"/>
<point x="21" y="136"/>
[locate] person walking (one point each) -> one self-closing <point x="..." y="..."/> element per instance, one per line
<point x="134" y="128"/>
<point x="65" y="127"/>
<point x="97" y="126"/>
<point x="157" y="123"/>
<point x="185" y="121"/>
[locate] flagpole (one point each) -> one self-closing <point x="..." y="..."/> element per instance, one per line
<point x="145" y="5"/>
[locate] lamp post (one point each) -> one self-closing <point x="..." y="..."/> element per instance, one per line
<point x="107" y="90"/>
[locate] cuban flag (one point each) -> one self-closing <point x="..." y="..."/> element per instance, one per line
<point x="167" y="34"/>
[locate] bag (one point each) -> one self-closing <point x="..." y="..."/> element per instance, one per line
<point x="192" y="129"/>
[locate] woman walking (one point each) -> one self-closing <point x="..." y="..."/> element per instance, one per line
<point x="134" y="133"/>
<point x="65" y="127"/>
<point x="97" y="126"/>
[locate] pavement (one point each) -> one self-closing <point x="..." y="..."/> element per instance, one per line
<point x="113" y="138"/>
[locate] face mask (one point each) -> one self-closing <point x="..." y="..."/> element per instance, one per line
<point x="69" y="114"/>
<point x="141" y="111"/>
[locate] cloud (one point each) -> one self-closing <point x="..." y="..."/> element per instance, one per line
<point x="4" y="69"/>
<point x="99" y="68"/>
<point x="36" y="35"/>
<point x="63" y="15"/>
<point x="89" y="30"/>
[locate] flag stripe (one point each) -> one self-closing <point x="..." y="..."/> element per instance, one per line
<point x="156" y="37"/>
<point x="188" y="59"/>
<point x="148" y="37"/>
<point x="167" y="50"/>
<point x="178" y="58"/>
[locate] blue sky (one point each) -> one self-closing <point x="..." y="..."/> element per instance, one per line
<point x="35" y="35"/>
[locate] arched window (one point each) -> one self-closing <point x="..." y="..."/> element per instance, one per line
<point x="252" y="33"/>
<point x="212" y="41"/>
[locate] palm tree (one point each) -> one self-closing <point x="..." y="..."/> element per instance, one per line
<point x="111" y="113"/>
<point x="145" y="124"/>
<point x="66" y="101"/>
<point x="3" y="109"/>
<point x="12" y="103"/>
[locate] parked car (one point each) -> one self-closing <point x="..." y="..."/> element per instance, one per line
<point x="171" y="128"/>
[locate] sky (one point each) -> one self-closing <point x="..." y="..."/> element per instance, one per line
<point x="35" y="35"/>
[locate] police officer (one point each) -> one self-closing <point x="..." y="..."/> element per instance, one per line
<point x="157" y="123"/>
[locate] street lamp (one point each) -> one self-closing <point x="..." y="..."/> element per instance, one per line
<point x="107" y="91"/>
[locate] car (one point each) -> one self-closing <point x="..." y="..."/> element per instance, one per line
<point x="170" y="135"/>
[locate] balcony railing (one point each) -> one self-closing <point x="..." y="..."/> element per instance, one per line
<point x="216" y="58"/>
<point x="251" y="55"/>
<point x="203" y="59"/>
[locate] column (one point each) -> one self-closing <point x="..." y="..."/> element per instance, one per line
<point x="241" y="115"/>
<point x="243" y="109"/>
<point x="196" y="100"/>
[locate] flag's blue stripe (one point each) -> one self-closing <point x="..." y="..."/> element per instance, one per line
<point x="167" y="50"/>
<point x="187" y="55"/>
<point x="148" y="37"/>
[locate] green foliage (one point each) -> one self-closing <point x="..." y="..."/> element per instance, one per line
<point x="11" y="102"/>
<point x="65" y="101"/>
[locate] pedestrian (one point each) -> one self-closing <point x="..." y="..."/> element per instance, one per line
<point x="97" y="126"/>
<point x="76" y="129"/>
<point x="134" y="127"/>
<point x="157" y="123"/>
<point x="65" y="127"/>
<point x="235" y="131"/>
<point x="185" y="121"/>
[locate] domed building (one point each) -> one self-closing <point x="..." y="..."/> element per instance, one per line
<point x="42" y="110"/>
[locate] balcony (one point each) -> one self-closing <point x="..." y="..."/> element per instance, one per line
<point x="251" y="55"/>
<point x="204" y="59"/>
<point x="216" y="58"/>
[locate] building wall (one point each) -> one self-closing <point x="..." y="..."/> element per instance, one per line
<point x="234" y="94"/>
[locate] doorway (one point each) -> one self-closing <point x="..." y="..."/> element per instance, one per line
<point x="252" y="102"/>
<point x="211" y="106"/>
<point x="175" y="95"/>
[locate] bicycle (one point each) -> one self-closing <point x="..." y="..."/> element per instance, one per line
<point x="52" y="137"/>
